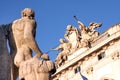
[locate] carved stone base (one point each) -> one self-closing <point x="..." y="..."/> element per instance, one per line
<point x="36" y="69"/>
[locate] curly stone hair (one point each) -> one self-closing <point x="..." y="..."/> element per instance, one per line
<point x="28" y="12"/>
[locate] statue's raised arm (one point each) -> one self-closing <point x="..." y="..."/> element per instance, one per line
<point x="81" y="25"/>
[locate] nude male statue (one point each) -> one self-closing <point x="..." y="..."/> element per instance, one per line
<point x="21" y="36"/>
<point x="24" y="31"/>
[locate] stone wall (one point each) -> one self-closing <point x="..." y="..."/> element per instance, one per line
<point x="4" y="57"/>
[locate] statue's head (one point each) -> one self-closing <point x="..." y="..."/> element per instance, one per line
<point x="28" y="12"/>
<point x="69" y="27"/>
<point x="94" y="25"/>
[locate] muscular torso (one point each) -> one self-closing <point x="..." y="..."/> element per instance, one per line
<point x="18" y="33"/>
<point x="23" y="49"/>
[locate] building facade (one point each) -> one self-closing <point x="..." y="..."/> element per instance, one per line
<point x="99" y="62"/>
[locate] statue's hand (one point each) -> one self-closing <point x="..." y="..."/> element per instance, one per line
<point x="45" y="57"/>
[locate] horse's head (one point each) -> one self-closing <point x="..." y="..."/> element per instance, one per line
<point x="94" y="25"/>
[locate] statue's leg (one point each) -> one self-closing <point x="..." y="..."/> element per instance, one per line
<point x="14" y="72"/>
<point x="14" y="69"/>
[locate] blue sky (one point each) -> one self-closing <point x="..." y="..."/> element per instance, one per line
<point x="53" y="16"/>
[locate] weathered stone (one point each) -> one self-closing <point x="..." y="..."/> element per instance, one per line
<point x="5" y="63"/>
<point x="100" y="62"/>
<point x="21" y="36"/>
<point x="35" y="69"/>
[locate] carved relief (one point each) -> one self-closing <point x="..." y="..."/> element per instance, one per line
<point x="93" y="55"/>
<point x="86" y="58"/>
<point x="116" y="55"/>
<point x="111" y="43"/>
<point x="109" y="77"/>
<point x="35" y="69"/>
<point x="106" y="78"/>
<point x="89" y="70"/>
<point x="80" y="63"/>
<point x="105" y="47"/>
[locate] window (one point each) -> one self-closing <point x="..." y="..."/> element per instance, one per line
<point x="101" y="55"/>
<point x="76" y="70"/>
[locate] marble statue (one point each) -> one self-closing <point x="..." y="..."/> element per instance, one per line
<point x="35" y="69"/>
<point x="21" y="38"/>
<point x="91" y="29"/>
<point x="85" y="37"/>
<point x="24" y="31"/>
<point x="88" y="34"/>
<point x="65" y="48"/>
<point x="76" y="38"/>
<point x="72" y="36"/>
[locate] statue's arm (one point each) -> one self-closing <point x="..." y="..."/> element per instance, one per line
<point x="58" y="48"/>
<point x="82" y="27"/>
<point x="29" y="36"/>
